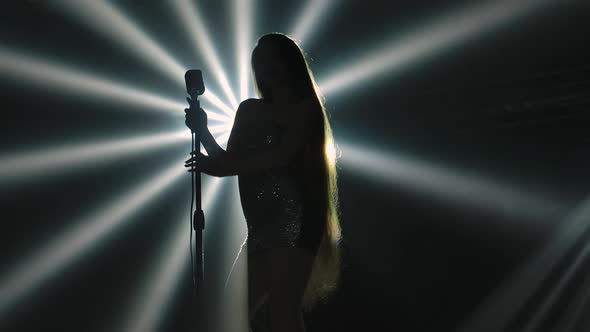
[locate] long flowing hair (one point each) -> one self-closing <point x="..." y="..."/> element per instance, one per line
<point x="325" y="273"/>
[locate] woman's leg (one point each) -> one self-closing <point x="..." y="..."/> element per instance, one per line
<point x="289" y="270"/>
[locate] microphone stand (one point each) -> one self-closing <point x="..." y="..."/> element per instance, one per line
<point x="198" y="225"/>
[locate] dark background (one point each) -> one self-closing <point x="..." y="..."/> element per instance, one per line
<point x="512" y="104"/>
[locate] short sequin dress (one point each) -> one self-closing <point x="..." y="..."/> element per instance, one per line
<point x="279" y="212"/>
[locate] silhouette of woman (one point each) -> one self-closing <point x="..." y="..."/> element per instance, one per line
<point x="281" y="149"/>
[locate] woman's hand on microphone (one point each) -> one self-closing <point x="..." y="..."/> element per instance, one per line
<point x="202" y="163"/>
<point x="195" y="117"/>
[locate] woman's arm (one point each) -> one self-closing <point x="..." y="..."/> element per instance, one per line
<point x="196" y="120"/>
<point x="299" y="123"/>
<point x="239" y="127"/>
<point x="213" y="149"/>
<point x="210" y="164"/>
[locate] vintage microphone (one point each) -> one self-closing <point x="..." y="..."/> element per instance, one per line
<point x="195" y="87"/>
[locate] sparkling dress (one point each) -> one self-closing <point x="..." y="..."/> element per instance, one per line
<point x="278" y="210"/>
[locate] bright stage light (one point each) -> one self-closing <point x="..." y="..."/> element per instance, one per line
<point x="243" y="31"/>
<point x="46" y="161"/>
<point x="567" y="279"/>
<point x="222" y="139"/>
<point x="107" y="19"/>
<point x="223" y="128"/>
<point x="510" y="297"/>
<point x="218" y="117"/>
<point x="448" y="185"/>
<point x="442" y="35"/>
<point x="221" y="132"/>
<point x="213" y="99"/>
<point x="308" y="19"/>
<point x="193" y="21"/>
<point x="78" y="241"/>
<point x="154" y="297"/>
<point x="220" y="129"/>
<point x="21" y="67"/>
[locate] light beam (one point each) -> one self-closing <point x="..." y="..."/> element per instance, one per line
<point x="153" y="298"/>
<point x="108" y="20"/>
<point x="218" y="117"/>
<point x="243" y="31"/>
<point x="193" y="22"/>
<point x="79" y="240"/>
<point x="309" y="18"/>
<point x="443" y="34"/>
<point x="234" y="298"/>
<point x="220" y="129"/>
<point x="448" y="185"/>
<point x="223" y="138"/>
<point x="52" y="160"/>
<point x="504" y="302"/>
<point x="213" y="99"/>
<point x="57" y="78"/>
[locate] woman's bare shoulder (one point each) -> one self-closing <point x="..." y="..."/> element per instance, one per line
<point x="249" y="104"/>
<point x="246" y="109"/>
